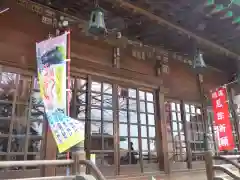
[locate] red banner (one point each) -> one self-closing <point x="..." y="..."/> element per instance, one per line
<point x="221" y="119"/>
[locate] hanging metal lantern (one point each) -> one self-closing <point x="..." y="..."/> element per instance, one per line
<point x="198" y="62"/>
<point x="96" y="23"/>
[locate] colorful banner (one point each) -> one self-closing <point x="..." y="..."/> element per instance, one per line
<point x="52" y="76"/>
<point x="221" y="120"/>
<point x="52" y="73"/>
<point x="67" y="132"/>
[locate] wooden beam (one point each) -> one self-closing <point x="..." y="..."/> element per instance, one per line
<point x="162" y="21"/>
<point x="164" y="163"/>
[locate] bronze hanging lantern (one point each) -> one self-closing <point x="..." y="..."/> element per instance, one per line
<point x="198" y="62"/>
<point x="96" y="23"/>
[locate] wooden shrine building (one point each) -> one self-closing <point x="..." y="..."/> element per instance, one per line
<point x="138" y="94"/>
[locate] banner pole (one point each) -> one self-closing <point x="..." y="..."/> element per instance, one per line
<point x="77" y="151"/>
<point x="68" y="89"/>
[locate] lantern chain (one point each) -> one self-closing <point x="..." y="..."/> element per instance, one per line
<point x="96" y="3"/>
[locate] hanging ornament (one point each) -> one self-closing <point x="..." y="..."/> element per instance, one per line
<point x="238" y="78"/>
<point x="97" y="23"/>
<point x="198" y="62"/>
<point x="62" y="26"/>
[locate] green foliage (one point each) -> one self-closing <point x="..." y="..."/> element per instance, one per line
<point x="225" y="8"/>
<point x="229" y="14"/>
<point x="236" y="20"/>
<point x="219" y="7"/>
<point x="237" y="2"/>
<point x="209" y="2"/>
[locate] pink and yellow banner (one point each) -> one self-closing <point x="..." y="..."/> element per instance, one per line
<point x="52" y="74"/>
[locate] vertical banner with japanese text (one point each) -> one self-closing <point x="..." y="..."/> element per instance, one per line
<point x="221" y="119"/>
<point x="52" y="76"/>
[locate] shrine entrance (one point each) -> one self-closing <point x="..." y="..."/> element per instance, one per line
<point x="120" y="125"/>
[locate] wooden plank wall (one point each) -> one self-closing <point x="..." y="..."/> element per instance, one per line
<point x="18" y="38"/>
<point x="181" y="82"/>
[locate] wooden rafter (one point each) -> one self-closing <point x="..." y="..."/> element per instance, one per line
<point x="159" y="20"/>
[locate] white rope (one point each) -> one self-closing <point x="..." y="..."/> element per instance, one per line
<point x="4" y="10"/>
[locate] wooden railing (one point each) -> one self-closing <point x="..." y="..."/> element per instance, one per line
<point x="228" y="162"/>
<point x="77" y="175"/>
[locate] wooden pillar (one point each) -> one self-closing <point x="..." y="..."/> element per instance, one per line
<point x="209" y="165"/>
<point x="139" y="132"/>
<point x="231" y="95"/>
<point x="116" y="64"/>
<point x="88" y="136"/>
<point x="162" y="141"/>
<point x="162" y="132"/>
<point x="204" y="109"/>
<point x="50" y="152"/>
<point x="187" y="138"/>
<point x="116" y="130"/>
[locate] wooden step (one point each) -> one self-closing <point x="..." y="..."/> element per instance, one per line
<point x="177" y="175"/>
